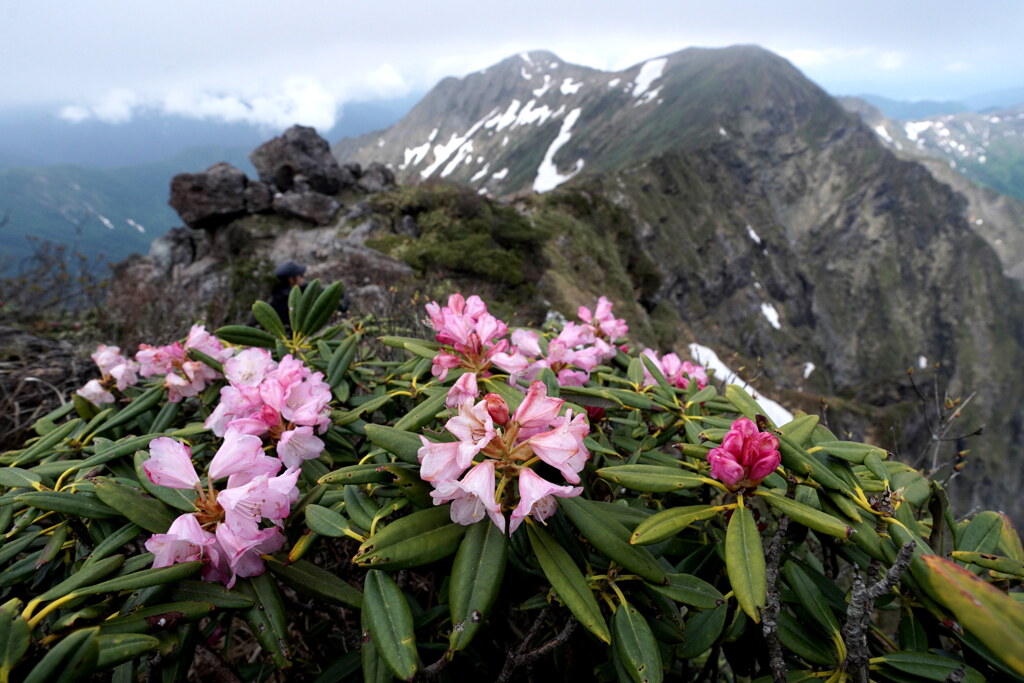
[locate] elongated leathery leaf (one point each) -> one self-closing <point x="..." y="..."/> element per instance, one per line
<point x="612" y="539"/>
<point x="744" y="561"/>
<point x="390" y="623"/>
<point x="638" y="650"/>
<point x="476" y="577"/>
<point x="568" y="581"/>
<point x="14" y="637"/>
<point x="995" y="618"/>
<point x="309" y="579"/>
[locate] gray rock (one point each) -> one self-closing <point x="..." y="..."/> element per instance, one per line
<point x="259" y="197"/>
<point x="376" y="178"/>
<point x="299" y="151"/>
<point x="209" y="199"/>
<point x="312" y="207"/>
<point x="177" y="247"/>
<point x="407" y="226"/>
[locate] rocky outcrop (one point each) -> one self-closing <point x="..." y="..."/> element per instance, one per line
<point x="299" y="151"/>
<point x="210" y="199"/>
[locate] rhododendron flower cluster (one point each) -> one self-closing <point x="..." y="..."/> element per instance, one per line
<point x="284" y="402"/>
<point x="231" y="528"/>
<point x="498" y="448"/>
<point x="117" y="371"/>
<point x="677" y="373"/>
<point x="745" y="457"/>
<point x="183" y="377"/>
<point x="472" y="338"/>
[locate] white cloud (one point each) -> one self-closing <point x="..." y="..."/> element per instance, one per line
<point x="387" y="81"/>
<point x="889" y="61"/>
<point x="297" y="99"/>
<point x="74" y="113"/>
<point x="957" y="67"/>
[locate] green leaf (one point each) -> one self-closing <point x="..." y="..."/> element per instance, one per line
<point x="268" y="318"/>
<point x="745" y="404"/>
<point x="668" y="523"/>
<point x="326" y="521"/>
<point x="703" y="628"/>
<point x="810" y="597"/>
<point x="138" y="508"/>
<point x="744" y="562"/>
<point x="15" y="477"/>
<point x="157" y="617"/>
<point x="651" y="478"/>
<point x="800" y="429"/>
<point x="404" y="445"/>
<point x="14" y="637"/>
<point x="808" y="516"/>
<point x="637" y="649"/>
<point x="850" y="451"/>
<point x="44" y="446"/>
<point x="321" y="310"/>
<point x="567" y="581"/>
<point x="982" y="533"/>
<point x="475" y="580"/>
<point x="122" y="647"/>
<point x="243" y="335"/>
<point x="71" y="659"/>
<point x="417" y="418"/>
<point x="794" y="637"/>
<point x="996" y="619"/>
<point x="79" y="504"/>
<point x="143" y="579"/>
<point x="993" y="562"/>
<point x="213" y="593"/>
<point x="423" y="537"/>
<point x="374" y="668"/>
<point x="928" y="667"/>
<point x="344" y="417"/>
<point x="612" y="540"/>
<point x="690" y="590"/>
<point x="390" y="622"/>
<point x="370" y="473"/>
<point x="315" y="582"/>
<point x="267" y="617"/>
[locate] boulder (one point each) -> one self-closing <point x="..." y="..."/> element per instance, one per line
<point x="209" y="199"/>
<point x="299" y="151"/>
<point x="259" y="197"/>
<point x="376" y="178"/>
<point x="312" y="207"/>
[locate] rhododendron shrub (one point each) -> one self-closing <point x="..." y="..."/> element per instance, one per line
<point x="504" y="500"/>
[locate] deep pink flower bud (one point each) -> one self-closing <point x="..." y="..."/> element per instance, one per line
<point x="497" y="409"/>
<point x="745" y="457"/>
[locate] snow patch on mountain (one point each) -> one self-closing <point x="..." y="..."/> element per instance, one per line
<point x="649" y="72"/>
<point x="710" y="360"/>
<point x="570" y="88"/>
<point x="539" y="92"/>
<point x="771" y="315"/>
<point x="548" y="177"/>
<point x="455" y="145"/>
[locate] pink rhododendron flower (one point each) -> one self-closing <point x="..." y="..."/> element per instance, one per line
<point x="263" y="497"/>
<point x="249" y="367"/>
<point x="537" y="411"/>
<point x="745" y="457"/>
<point x="465" y="388"/>
<point x="184" y="541"/>
<point x="238" y="453"/>
<point x="241" y="553"/>
<point x="170" y="464"/>
<point x="677" y="373"/>
<point x="527" y="342"/>
<point x="95" y="392"/>
<point x="474" y="429"/>
<point x="473" y="497"/>
<point x="537" y="498"/>
<point x="298" y="445"/>
<point x="439" y="462"/>
<point x="562" y="447"/>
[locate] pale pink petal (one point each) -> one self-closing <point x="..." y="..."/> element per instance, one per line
<point x="465" y="388"/>
<point x="536" y="498"/>
<point x="297" y="445"/>
<point x="170" y="464"/>
<point x="238" y="452"/>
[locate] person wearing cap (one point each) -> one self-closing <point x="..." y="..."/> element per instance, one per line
<point x="289" y="274"/>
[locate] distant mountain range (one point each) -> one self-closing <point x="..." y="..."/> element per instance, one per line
<point x="751" y="213"/>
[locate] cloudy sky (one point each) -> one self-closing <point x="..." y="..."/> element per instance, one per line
<point x="277" y="63"/>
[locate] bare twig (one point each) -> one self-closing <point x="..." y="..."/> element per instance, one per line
<point x="769" y="625"/>
<point x="520" y="657"/>
<point x="858" y="613"/>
